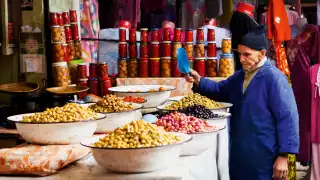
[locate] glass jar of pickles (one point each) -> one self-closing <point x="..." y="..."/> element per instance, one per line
<point x="200" y="50"/>
<point x="166" y="49"/>
<point x="226" y="65"/>
<point x="58" y="52"/>
<point x="72" y="51"/>
<point x="191" y="62"/>
<point x="60" y="74"/>
<point x="226" y="46"/>
<point x="154" y="67"/>
<point x="56" y="34"/>
<point x="174" y="68"/>
<point x="155" y="50"/>
<point x="123" y="50"/>
<point x="200" y="66"/>
<point x="73" y="73"/>
<point x="211" y="65"/>
<point x="175" y="47"/>
<point x="165" y="66"/>
<point x="122" y="68"/>
<point x="144" y="67"/>
<point x="78" y="50"/>
<point x="188" y="46"/>
<point x="133" y="67"/>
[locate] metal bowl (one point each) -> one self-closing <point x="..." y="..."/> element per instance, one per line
<point x="137" y="160"/>
<point x="55" y="133"/>
<point x="154" y="99"/>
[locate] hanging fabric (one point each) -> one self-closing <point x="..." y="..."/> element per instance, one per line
<point x="302" y="53"/>
<point x="193" y="14"/>
<point x="90" y="28"/>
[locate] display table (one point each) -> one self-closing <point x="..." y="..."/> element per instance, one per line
<point x="182" y="87"/>
<point x="209" y="165"/>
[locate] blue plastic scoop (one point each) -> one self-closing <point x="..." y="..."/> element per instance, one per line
<point x="183" y="63"/>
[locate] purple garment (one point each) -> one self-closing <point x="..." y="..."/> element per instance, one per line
<point x="302" y="52"/>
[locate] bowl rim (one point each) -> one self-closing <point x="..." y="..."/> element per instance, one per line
<point x="84" y="121"/>
<point x="209" y="132"/>
<point x="121" y="149"/>
<point x="227" y="105"/>
<point x="136" y="109"/>
<point x="227" y="115"/>
<point x="145" y="100"/>
<point x="172" y="88"/>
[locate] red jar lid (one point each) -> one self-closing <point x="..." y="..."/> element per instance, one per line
<point x="155" y="43"/>
<point x="144" y="59"/>
<point x="165" y="58"/>
<point x="122" y="43"/>
<point x="212" y="58"/>
<point x="200" y="58"/>
<point x="190" y="58"/>
<point x="154" y="59"/>
<point x="144" y="29"/>
<point x="210" y="42"/>
<point x="166" y="42"/>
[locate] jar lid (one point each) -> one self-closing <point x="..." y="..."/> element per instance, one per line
<point x="166" y="42"/>
<point x="177" y="28"/>
<point x="68" y="25"/>
<point x="227" y="55"/>
<point x="177" y="43"/>
<point x="74" y="23"/>
<point x="122" y="42"/>
<point x="210" y="28"/>
<point x="83" y="79"/>
<point x="165" y="58"/>
<point x="200" y="58"/>
<point x="55" y="26"/>
<point x="155" y="42"/>
<point x="211" y="42"/>
<point x="82" y="64"/>
<point x="212" y="58"/>
<point x="143" y="59"/>
<point x="226" y="38"/>
<point x="190" y="58"/>
<point x="188" y="42"/>
<point x="122" y="28"/>
<point x="144" y="29"/>
<point x="59" y="64"/>
<point x="155" y="59"/>
<point x="200" y="29"/>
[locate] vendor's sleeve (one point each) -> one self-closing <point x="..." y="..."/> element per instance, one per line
<point x="214" y="90"/>
<point x="284" y="108"/>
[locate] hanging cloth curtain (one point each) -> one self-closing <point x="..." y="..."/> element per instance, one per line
<point x="193" y="14"/>
<point x="278" y="32"/>
<point x="90" y="28"/>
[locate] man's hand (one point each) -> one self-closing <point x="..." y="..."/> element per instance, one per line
<point x="280" y="168"/>
<point x="194" y="78"/>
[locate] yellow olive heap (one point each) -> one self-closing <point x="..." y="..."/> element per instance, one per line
<point x="137" y="134"/>
<point x="194" y="99"/>
<point x="110" y="103"/>
<point x="68" y="113"/>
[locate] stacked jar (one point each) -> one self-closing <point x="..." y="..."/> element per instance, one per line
<point x="211" y="63"/>
<point x="166" y="53"/>
<point x="226" y="63"/>
<point x="104" y="79"/>
<point x="176" y="45"/>
<point x="154" y="54"/>
<point x="144" y="56"/>
<point x="122" y="54"/>
<point x="82" y="79"/>
<point x="70" y="54"/>
<point x="76" y="46"/>
<point x="93" y="79"/>
<point x="60" y="74"/>
<point x="133" y="54"/>
<point x="199" y="64"/>
<point x="58" y="38"/>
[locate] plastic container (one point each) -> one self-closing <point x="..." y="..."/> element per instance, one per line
<point x="60" y="74"/>
<point x="103" y="70"/>
<point x="143" y="67"/>
<point x="78" y="50"/>
<point x="165" y="66"/>
<point x="175" y="47"/>
<point x="174" y="68"/>
<point x="122" y="35"/>
<point x="226" y="46"/>
<point x="122" y="68"/>
<point x="123" y="50"/>
<point x="200" y="66"/>
<point x="144" y="50"/>
<point x="132" y="36"/>
<point x="56" y="34"/>
<point x="155" y="50"/>
<point x="200" y="35"/>
<point x="166" y="49"/>
<point x="226" y="65"/>
<point x="212" y="49"/>
<point x="188" y="46"/>
<point x="71" y="51"/>
<point x="155" y="35"/>
<point x="105" y="84"/>
<point x="133" y="50"/>
<point x="200" y="50"/>
<point x="58" y="52"/>
<point x="211" y="66"/>
<point x="133" y="67"/>
<point x="211" y="35"/>
<point x="177" y="35"/>
<point x="75" y="31"/>
<point x="154" y="67"/>
<point x="189" y="36"/>
<point x="82" y="71"/>
<point x="93" y="70"/>
<point x="144" y="35"/>
<point x="94" y="86"/>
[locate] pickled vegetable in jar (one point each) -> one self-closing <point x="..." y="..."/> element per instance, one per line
<point x="155" y="50"/>
<point x="58" y="52"/>
<point x="211" y="49"/>
<point x="133" y="50"/>
<point x="226" y="65"/>
<point x="165" y="66"/>
<point x="78" y="50"/>
<point x="226" y="46"/>
<point x="177" y="35"/>
<point x="122" y="50"/>
<point x="200" y="66"/>
<point x="155" y="35"/>
<point x="105" y="84"/>
<point x="144" y="67"/>
<point x="133" y="67"/>
<point x="122" y="68"/>
<point x="82" y="71"/>
<point x="144" y="35"/>
<point x="93" y="70"/>
<point x="211" y="36"/>
<point x="73" y="73"/>
<point x="166" y="34"/>
<point x="75" y="31"/>
<point x="122" y="34"/>
<point x="66" y="52"/>
<point x="174" y="68"/>
<point x="132" y="35"/>
<point x="191" y="63"/>
<point x="55" y="34"/>
<point x="60" y="74"/>
<point x="189" y="36"/>
<point x="68" y="33"/>
<point x="200" y="50"/>
<point x="71" y="51"/>
<point x="166" y="49"/>
<point x="176" y="46"/>
<point x="211" y="65"/>
<point x="144" y="50"/>
<point x="83" y="83"/>
<point x="188" y="46"/>
<point x="154" y="67"/>
<point x="63" y="35"/>
<point x="200" y="35"/>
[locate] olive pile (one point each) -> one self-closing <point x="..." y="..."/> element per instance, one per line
<point x="194" y="99"/>
<point x="198" y="111"/>
<point x="137" y="134"/>
<point x="110" y="103"/>
<point x="68" y="113"/>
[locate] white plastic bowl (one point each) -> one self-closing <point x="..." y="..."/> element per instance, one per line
<point x="118" y="119"/>
<point x="137" y="160"/>
<point x="61" y="133"/>
<point x="154" y="99"/>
